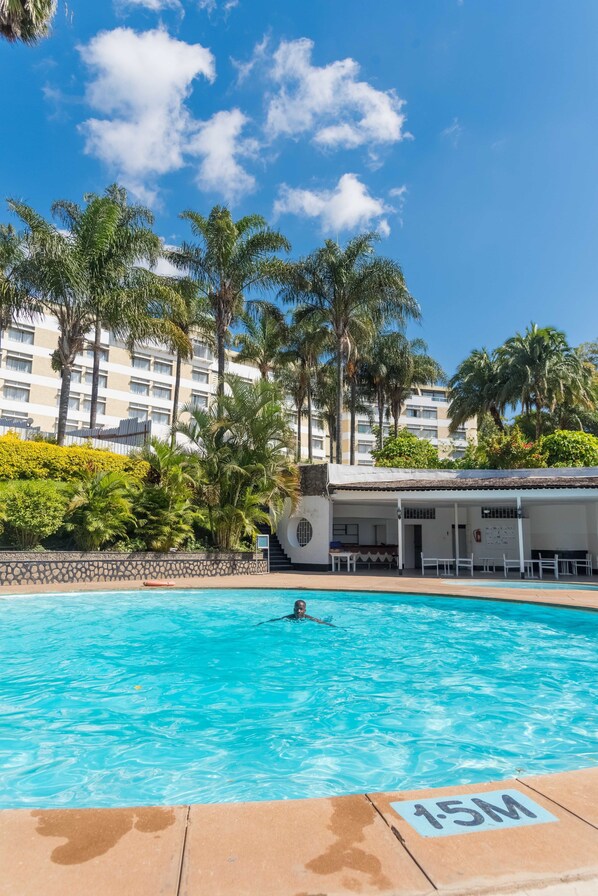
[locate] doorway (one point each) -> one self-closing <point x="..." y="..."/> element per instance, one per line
<point x="462" y="540"/>
<point x="413" y="546"/>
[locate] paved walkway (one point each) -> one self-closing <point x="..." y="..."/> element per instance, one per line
<point x="327" y="847"/>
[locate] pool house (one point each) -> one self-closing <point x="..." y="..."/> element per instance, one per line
<point x="528" y="523"/>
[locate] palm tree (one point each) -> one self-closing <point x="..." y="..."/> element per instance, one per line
<point x="242" y="444"/>
<point x="294" y="380"/>
<point x="409" y="366"/>
<point x="115" y="238"/>
<point x="100" y="509"/>
<point x="325" y="399"/>
<point x="541" y="370"/>
<point x="345" y="290"/>
<point x="15" y="298"/>
<point x="263" y="339"/>
<point x="59" y="270"/>
<point x="306" y="340"/>
<point x="477" y="389"/>
<point x="231" y="259"/>
<point x="26" y="20"/>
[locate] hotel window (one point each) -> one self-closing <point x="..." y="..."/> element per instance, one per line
<point x="317" y="422"/>
<point x="317" y="444"/>
<point x="364" y="427"/>
<point x="14" y="415"/>
<point x="74" y="402"/>
<point x="140" y="362"/>
<point x="162" y="392"/>
<point x="201" y="350"/>
<point x="364" y="447"/>
<point x="87" y="377"/>
<point x="365" y="463"/>
<point x="425" y="413"/>
<point x="200" y="376"/>
<point x="22" y="363"/>
<point x="20" y="334"/>
<point x="101" y="405"/>
<point x="76" y="376"/>
<point x="435" y="396"/>
<point x="420" y="513"/>
<point x="103" y="353"/>
<point x="161" y="417"/>
<point x="164" y="367"/>
<point x="198" y="400"/>
<point x="137" y="411"/>
<point x="139" y="388"/>
<point x="16" y="392"/>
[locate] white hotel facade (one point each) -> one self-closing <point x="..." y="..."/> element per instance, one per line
<point x="141" y="386"/>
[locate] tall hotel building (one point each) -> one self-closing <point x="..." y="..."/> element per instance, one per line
<point x="140" y="386"/>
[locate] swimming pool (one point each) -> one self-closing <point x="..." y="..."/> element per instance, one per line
<point x="140" y="698"/>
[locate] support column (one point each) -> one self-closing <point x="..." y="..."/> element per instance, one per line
<point x="456" y="539"/>
<point x="520" y="537"/>
<point x="400" y="536"/>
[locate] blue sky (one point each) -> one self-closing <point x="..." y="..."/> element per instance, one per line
<point x="464" y="131"/>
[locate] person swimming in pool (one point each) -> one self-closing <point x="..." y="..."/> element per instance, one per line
<point x="298" y="615"/>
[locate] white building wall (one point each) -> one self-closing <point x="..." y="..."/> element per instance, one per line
<point x="558" y="527"/>
<point x="318" y="511"/>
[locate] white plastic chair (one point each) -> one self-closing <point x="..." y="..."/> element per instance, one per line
<point x="466" y="563"/>
<point x="509" y="564"/>
<point x="585" y="565"/>
<point x="548" y="564"/>
<point x="430" y="562"/>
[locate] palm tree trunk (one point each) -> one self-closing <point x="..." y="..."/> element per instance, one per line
<point x="496" y="417"/>
<point x="175" y="397"/>
<point x="380" y="419"/>
<point x="221" y="363"/>
<point x="339" y="403"/>
<point x="95" y="376"/>
<point x="63" y="405"/>
<point x="352" y="424"/>
<point x="299" y="415"/>
<point x="310" y="453"/>
<point x="538" y="421"/>
<point x="331" y="437"/>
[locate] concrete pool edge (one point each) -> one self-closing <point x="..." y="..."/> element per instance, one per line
<point x="340" y="845"/>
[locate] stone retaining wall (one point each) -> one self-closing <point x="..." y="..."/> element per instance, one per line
<point x="30" y="568"/>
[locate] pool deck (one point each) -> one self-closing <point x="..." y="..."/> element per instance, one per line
<point x="339" y="846"/>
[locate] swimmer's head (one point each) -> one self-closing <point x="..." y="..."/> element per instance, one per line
<point x="299" y="609"/>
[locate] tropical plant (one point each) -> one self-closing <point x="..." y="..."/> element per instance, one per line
<point x="477" y="388"/>
<point x="345" y="290"/>
<point x="230" y="259"/>
<point x="263" y="339"/>
<point x="306" y="341"/>
<point x="503" y="449"/>
<point x="41" y="460"/>
<point x="15" y="299"/>
<point x="26" y="20"/>
<point x="540" y="370"/>
<point x="31" y="511"/>
<point x="245" y="471"/>
<point x="73" y="277"/>
<point x="164" y="510"/>
<point x="570" y="449"/>
<point x="406" y="450"/>
<point x="100" y="509"/>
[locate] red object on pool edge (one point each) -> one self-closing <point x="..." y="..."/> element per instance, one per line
<point x="155" y="584"/>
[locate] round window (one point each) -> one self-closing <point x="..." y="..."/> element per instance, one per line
<point x="304" y="532"/>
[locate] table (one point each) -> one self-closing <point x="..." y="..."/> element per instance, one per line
<point x="349" y="556"/>
<point x="446" y="563"/>
<point x="488" y="564"/>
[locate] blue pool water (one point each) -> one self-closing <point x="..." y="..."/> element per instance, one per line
<point x="154" y="698"/>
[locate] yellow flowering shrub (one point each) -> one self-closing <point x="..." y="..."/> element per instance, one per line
<point x="41" y="460"/>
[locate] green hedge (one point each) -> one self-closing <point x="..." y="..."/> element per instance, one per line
<point x="41" y="460"/>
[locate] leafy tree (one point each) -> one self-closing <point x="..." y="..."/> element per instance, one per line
<point x="477" y="389"/>
<point x="263" y="339"/>
<point x="345" y="290"/>
<point x="406" y="450"/>
<point x="100" y="509"/>
<point x="541" y="371"/>
<point x="31" y="511"/>
<point x="506" y="449"/>
<point x="15" y="298"/>
<point x="230" y="259"/>
<point x="60" y="269"/>
<point x="570" y="449"/>
<point x="26" y="20"/>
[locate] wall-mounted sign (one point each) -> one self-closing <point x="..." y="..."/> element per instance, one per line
<point x="466" y="813"/>
<point x="263" y="542"/>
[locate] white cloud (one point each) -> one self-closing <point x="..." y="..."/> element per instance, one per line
<point x="330" y="101"/>
<point x="211" y="6"/>
<point x="153" y="5"/>
<point x="140" y="82"/>
<point x="348" y="206"/>
<point x="453" y="132"/>
<point x="218" y="142"/>
<point x="244" y="69"/>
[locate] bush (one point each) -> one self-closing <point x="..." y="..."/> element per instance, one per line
<point x="99" y="510"/>
<point x="31" y="512"/>
<point x="566" y="448"/>
<point x="41" y="460"/>
<point x="406" y="450"/>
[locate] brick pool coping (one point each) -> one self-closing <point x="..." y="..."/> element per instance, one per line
<point x="338" y="846"/>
